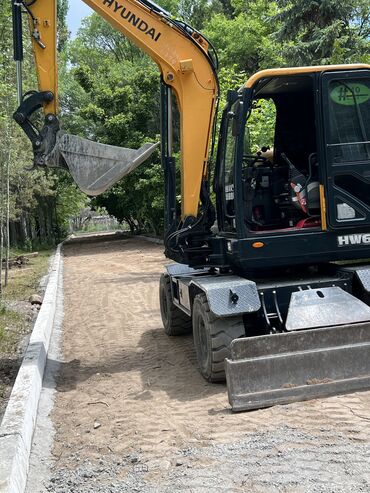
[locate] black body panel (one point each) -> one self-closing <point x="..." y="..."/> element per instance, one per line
<point x="312" y="247"/>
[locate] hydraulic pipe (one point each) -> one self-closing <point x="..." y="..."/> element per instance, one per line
<point x="18" y="45"/>
<point x="169" y="122"/>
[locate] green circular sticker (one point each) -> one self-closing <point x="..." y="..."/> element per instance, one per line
<point x="350" y="93"/>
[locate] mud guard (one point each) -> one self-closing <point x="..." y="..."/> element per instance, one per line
<point x="227" y="295"/>
<point x="281" y="368"/>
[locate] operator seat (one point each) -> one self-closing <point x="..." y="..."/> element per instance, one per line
<point x="305" y="190"/>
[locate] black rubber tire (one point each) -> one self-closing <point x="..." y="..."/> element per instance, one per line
<point x="175" y="321"/>
<point x="212" y="339"/>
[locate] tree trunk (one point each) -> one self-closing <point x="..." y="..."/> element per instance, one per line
<point x="1" y="225"/>
<point x="13" y="234"/>
<point x="49" y="223"/>
<point x="131" y="225"/>
<point x="1" y="256"/>
<point x="7" y="219"/>
<point x="42" y="230"/>
<point x="24" y="229"/>
<point x="33" y="229"/>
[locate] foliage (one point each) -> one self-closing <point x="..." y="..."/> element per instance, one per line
<point x="38" y="209"/>
<point x="325" y="31"/>
<point x="14" y="322"/>
<point x="25" y="282"/>
<point x="245" y="40"/>
<point x="63" y="33"/>
<point x="111" y="94"/>
<point x="261" y="125"/>
<point x="11" y="323"/>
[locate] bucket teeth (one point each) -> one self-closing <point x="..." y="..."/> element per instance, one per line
<point x="96" y="167"/>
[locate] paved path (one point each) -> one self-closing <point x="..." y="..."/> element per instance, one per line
<point x="133" y="414"/>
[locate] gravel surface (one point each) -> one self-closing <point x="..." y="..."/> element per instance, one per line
<point x="285" y="460"/>
<point x="132" y="413"/>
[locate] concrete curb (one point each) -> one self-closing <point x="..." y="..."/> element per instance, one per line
<point x="18" y="425"/>
<point x="151" y="239"/>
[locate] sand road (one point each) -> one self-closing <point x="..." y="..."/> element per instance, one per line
<point x="132" y="413"/>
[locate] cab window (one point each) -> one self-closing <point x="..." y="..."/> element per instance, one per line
<point x="349" y="115"/>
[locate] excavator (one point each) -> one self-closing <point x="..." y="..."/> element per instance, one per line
<point x="273" y="280"/>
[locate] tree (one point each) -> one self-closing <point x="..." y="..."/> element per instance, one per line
<point x="63" y="33"/>
<point x="35" y="204"/>
<point x="324" y="31"/>
<point x="110" y="93"/>
<point x="196" y="13"/>
<point x="245" y="40"/>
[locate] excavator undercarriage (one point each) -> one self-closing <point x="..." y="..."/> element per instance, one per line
<point x="292" y="336"/>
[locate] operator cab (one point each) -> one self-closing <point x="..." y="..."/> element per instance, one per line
<point x="280" y="166"/>
<point x="279" y="171"/>
<point x="280" y="140"/>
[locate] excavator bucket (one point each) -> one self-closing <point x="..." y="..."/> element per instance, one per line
<point x="95" y="167"/>
<point x="293" y="366"/>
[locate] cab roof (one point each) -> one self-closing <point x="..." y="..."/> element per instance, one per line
<point x="291" y="71"/>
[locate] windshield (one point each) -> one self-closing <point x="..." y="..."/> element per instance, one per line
<point x="349" y="115"/>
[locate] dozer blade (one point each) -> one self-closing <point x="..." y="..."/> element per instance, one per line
<point x="281" y="368"/>
<point x="95" y="167"/>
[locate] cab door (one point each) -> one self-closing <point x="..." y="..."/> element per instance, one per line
<point x="346" y="117"/>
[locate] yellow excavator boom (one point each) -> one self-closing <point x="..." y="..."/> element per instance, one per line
<point x="184" y="63"/>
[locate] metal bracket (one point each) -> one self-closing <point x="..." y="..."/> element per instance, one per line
<point x="42" y="140"/>
<point x="274" y="321"/>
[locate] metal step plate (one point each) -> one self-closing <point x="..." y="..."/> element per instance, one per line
<point x="324" y="307"/>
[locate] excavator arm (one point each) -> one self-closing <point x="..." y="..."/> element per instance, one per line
<point x="186" y="66"/>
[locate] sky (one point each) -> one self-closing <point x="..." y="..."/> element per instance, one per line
<point x="77" y="11"/>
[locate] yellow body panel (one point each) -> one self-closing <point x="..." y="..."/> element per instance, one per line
<point x="45" y="24"/>
<point x="324" y="225"/>
<point x="183" y="64"/>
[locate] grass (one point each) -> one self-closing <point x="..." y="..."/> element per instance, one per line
<point x="15" y="316"/>
<point x="2" y="391"/>
<point x="23" y="282"/>
<point x="12" y="324"/>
